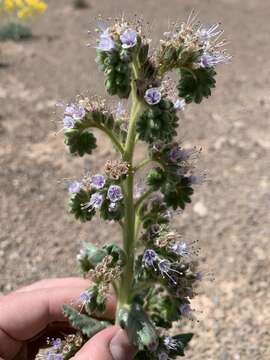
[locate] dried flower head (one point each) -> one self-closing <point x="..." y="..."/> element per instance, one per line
<point x="116" y="169"/>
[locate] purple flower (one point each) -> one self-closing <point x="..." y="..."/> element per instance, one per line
<point x="82" y="253"/>
<point x="50" y="355"/>
<point x="168" y="215"/>
<point x="164" y="266"/>
<point x="128" y="38"/>
<point x="95" y="202"/>
<point x="180" y="248"/>
<point x="208" y="60"/>
<point x="106" y="42"/>
<point x="98" y="181"/>
<point x="120" y="110"/>
<point x="185" y="310"/>
<point x="206" y="33"/>
<point x="74" y="111"/>
<point x="57" y="343"/>
<point x="149" y="257"/>
<point x="85" y="297"/>
<point x="163" y="356"/>
<point x="74" y="187"/>
<point x="170" y="343"/>
<point x="176" y="154"/>
<point x="180" y="105"/>
<point x="152" y="96"/>
<point x="197" y="179"/>
<point x="58" y="357"/>
<point x="68" y="122"/>
<point x="114" y="193"/>
<point x="112" y="207"/>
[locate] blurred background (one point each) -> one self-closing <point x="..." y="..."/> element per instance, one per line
<point x="229" y="214"/>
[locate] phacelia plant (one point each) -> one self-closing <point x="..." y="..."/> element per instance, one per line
<point x="155" y="273"/>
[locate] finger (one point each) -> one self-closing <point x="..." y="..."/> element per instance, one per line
<point x="109" y="344"/>
<point x="26" y="314"/>
<point x="57" y="283"/>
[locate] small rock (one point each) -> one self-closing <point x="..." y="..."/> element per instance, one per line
<point x="200" y="209"/>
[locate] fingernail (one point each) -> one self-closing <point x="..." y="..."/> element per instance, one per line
<point x="120" y="347"/>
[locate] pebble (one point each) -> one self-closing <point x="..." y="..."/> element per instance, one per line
<point x="200" y="209"/>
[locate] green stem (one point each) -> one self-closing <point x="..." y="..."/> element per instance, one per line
<point x="129" y="229"/>
<point x="141" y="286"/>
<point x="89" y="123"/>
<point x="142" y="198"/>
<point x="142" y="164"/>
<point x="112" y="136"/>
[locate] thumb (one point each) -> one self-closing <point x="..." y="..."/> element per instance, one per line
<point x="109" y="344"/>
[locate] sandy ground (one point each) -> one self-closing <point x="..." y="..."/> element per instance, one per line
<point x="229" y="214"/>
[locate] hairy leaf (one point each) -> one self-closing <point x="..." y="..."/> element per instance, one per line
<point x="141" y="330"/>
<point x="79" y="142"/>
<point x="87" y="325"/>
<point x="195" y="84"/>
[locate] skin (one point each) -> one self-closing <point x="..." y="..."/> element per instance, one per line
<point x="31" y="313"/>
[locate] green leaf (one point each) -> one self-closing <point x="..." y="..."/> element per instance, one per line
<point x="144" y="355"/>
<point x="158" y="123"/>
<point x="97" y="301"/>
<point x="116" y="68"/>
<point x="141" y="330"/>
<point x="79" y="142"/>
<point x="93" y="256"/>
<point x="182" y="342"/>
<point x="87" y="325"/>
<point x="75" y="206"/>
<point x="177" y="194"/>
<point x="117" y="253"/>
<point x="195" y="84"/>
<point x="156" y="178"/>
<point x="115" y="215"/>
<point x="162" y="308"/>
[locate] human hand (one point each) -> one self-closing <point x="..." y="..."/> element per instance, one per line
<point x="33" y="310"/>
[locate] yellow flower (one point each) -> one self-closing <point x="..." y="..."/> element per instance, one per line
<point x="8" y="5"/>
<point x="23" y="8"/>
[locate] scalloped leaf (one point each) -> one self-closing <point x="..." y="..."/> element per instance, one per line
<point x="87" y="325"/>
<point x="80" y="142"/>
<point x="177" y="195"/>
<point x="141" y="330"/>
<point x="196" y="84"/>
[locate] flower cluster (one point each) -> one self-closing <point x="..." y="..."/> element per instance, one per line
<point x="95" y="193"/>
<point x="195" y="50"/>
<point x="174" y="176"/>
<point x="156" y="273"/>
<point x="23" y="8"/>
<point x="64" y="348"/>
<point x="103" y="266"/>
<point x="119" y="46"/>
<point x="80" y="116"/>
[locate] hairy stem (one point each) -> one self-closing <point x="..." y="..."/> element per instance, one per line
<point x="129" y="229"/>
<point x="142" y="164"/>
<point x="142" y="198"/>
<point x="112" y="136"/>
